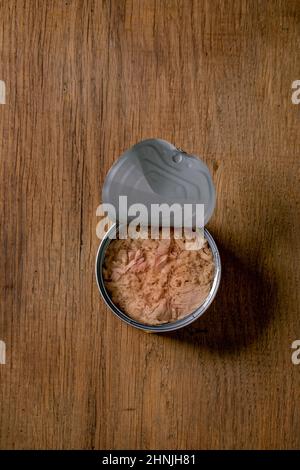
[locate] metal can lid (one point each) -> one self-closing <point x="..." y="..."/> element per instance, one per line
<point x="156" y="172"/>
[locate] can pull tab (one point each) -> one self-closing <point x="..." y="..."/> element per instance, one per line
<point x="177" y="157"/>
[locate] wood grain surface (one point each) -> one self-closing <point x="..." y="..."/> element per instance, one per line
<point x="84" y="81"/>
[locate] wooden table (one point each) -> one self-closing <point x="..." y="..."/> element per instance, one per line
<point x="84" y="81"/>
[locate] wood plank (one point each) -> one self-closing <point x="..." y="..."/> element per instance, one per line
<point x="84" y="81"/>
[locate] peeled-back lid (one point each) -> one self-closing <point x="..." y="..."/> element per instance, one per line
<point x="156" y="172"/>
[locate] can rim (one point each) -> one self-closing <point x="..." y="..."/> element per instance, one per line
<point x="171" y="326"/>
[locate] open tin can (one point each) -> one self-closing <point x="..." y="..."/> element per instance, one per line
<point x="156" y="172"/>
